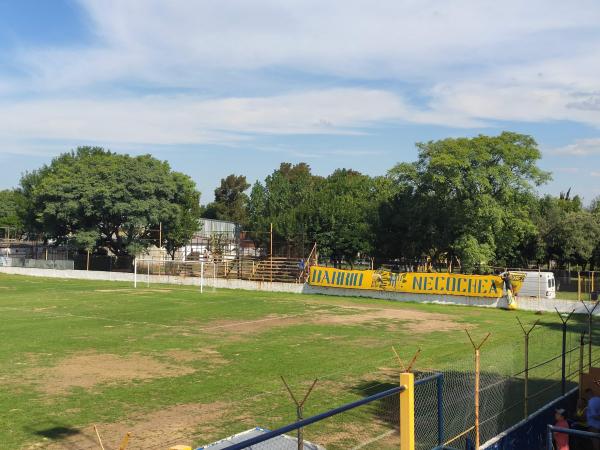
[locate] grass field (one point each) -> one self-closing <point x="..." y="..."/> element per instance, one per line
<point x="174" y="366"/>
<point x="568" y="295"/>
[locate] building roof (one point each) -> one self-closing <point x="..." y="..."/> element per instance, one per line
<point x="282" y="442"/>
<point x="208" y="227"/>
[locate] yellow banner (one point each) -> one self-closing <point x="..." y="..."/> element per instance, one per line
<point x="415" y="282"/>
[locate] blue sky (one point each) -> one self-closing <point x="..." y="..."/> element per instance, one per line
<point x="240" y="86"/>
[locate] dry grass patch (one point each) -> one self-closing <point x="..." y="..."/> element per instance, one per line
<point x="180" y="423"/>
<point x="89" y="369"/>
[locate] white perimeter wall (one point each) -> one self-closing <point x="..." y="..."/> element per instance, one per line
<point x="529" y="304"/>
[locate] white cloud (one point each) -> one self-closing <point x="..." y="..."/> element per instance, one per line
<point x="595" y="174"/>
<point x="470" y="63"/>
<point x="581" y="147"/>
<point x="176" y="43"/>
<point x="186" y="120"/>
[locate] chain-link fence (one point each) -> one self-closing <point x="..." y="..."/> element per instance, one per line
<point x="580" y="285"/>
<point x="516" y="379"/>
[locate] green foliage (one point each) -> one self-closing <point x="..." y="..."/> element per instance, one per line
<point x="287" y="199"/>
<point x="11" y="201"/>
<point x="465" y="198"/>
<point x="337" y="212"/>
<point x="184" y="223"/>
<point x="94" y="198"/>
<point x="347" y="205"/>
<point x="231" y="202"/>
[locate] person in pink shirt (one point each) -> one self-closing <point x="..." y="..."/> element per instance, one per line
<point x="561" y="440"/>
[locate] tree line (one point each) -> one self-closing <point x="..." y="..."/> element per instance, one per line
<point x="468" y="202"/>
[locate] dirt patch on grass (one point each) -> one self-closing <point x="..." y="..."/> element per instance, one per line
<point x="395" y="319"/>
<point x="86" y="370"/>
<point x="207" y="356"/>
<point x="418" y="321"/>
<point x="235" y="330"/>
<point x="180" y="424"/>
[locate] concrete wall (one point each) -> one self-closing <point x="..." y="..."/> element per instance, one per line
<point x="528" y="304"/>
<point x="143" y="279"/>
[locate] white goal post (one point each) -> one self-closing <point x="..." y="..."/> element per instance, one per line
<point x="169" y="271"/>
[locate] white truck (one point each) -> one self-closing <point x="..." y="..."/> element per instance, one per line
<point x="538" y="283"/>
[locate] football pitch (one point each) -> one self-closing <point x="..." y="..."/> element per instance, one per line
<point x="171" y="365"/>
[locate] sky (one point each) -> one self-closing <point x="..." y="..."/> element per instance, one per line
<point x="243" y="85"/>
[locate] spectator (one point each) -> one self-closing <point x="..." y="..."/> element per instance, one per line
<point x="581" y="411"/>
<point x="593" y="419"/>
<point x="561" y="439"/>
<point x="507" y="283"/>
<point x="301" y="269"/>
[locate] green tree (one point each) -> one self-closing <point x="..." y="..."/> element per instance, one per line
<point x="595" y="211"/>
<point x="466" y="198"/>
<point x="572" y="239"/>
<point x="231" y="201"/>
<point x="569" y="231"/>
<point x="347" y="211"/>
<point x="287" y="199"/>
<point x="178" y="231"/>
<point x="11" y="201"/>
<point x="112" y="200"/>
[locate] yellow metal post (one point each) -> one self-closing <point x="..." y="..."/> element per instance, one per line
<point x="407" y="411"/>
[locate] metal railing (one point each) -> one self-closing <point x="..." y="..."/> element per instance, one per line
<point x="552" y="429"/>
<point x="349" y="406"/>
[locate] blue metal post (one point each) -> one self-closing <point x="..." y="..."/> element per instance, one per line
<point x="549" y="444"/>
<point x="440" y="408"/>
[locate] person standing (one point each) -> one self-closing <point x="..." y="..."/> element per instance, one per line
<point x="561" y="439"/>
<point x="593" y="419"/>
<point x="508" y="287"/>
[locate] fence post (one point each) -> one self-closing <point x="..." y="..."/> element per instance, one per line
<point x="477" y="390"/>
<point x="407" y="402"/>
<point x="581" y="351"/>
<point x="549" y="444"/>
<point x="299" y="409"/>
<point x="407" y="411"/>
<point x="590" y="320"/>
<point x="578" y="285"/>
<point x="563" y="378"/>
<point x="134" y="272"/>
<point x="201" y="276"/>
<point x="539" y="289"/>
<point x="526" y="381"/>
<point x="440" y="408"/>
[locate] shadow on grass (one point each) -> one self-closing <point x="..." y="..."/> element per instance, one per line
<point x="57" y="432"/>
